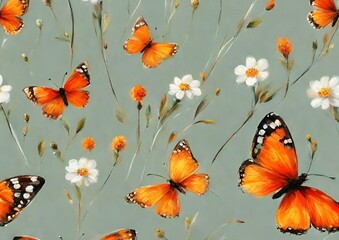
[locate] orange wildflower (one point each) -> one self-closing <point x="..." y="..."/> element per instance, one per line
<point x="138" y="93"/>
<point x="88" y="143"/>
<point x="119" y="143"/>
<point x="284" y="46"/>
<point x="270" y="5"/>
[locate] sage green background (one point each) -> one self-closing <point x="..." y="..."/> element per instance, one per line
<point x="51" y="215"/>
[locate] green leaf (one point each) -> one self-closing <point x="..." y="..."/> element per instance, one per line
<point x="106" y="22"/>
<point x="68" y="196"/>
<point x="41" y="148"/>
<point x="81" y="125"/>
<point x="65" y="124"/>
<point x="63" y="39"/>
<point x="202" y="105"/>
<point x="254" y="23"/>
<point x="163" y="106"/>
<point x="148" y="116"/>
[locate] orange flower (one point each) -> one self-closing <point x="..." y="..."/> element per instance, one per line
<point x="88" y="143"/>
<point x="138" y="93"/>
<point x="284" y="46"/>
<point x="270" y="5"/>
<point x="119" y="143"/>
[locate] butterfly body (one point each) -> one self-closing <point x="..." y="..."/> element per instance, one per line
<point x="54" y="101"/>
<point x="182" y="178"/>
<point x="10" y="15"/>
<point x="142" y="42"/>
<point x="273" y="169"/>
<point x="326" y="12"/>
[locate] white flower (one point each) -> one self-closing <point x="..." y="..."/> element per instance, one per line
<point x="185" y="85"/>
<point x="324" y="92"/>
<point x="92" y="1"/>
<point x="252" y="72"/>
<point x="82" y="172"/>
<point x="4" y="92"/>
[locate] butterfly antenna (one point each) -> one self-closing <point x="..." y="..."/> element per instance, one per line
<point x="63" y="79"/>
<point x="321" y="175"/>
<point x="50" y="79"/>
<point x="151" y="174"/>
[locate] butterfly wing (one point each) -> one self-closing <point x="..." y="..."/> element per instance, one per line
<point x="79" y="79"/>
<point x="325" y="13"/>
<point x="15" y="194"/>
<point x="147" y="196"/>
<point x="183" y="165"/>
<point x="305" y="206"/>
<point x="121" y="234"/>
<point x="25" y="238"/>
<point x="169" y="205"/>
<point x="274" y="158"/>
<point x="141" y="37"/>
<point x="10" y="16"/>
<point x="156" y="52"/>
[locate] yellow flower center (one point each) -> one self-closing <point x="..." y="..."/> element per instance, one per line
<point x="324" y="92"/>
<point x="252" y="72"/>
<point x="184" y="86"/>
<point x="83" y="172"/>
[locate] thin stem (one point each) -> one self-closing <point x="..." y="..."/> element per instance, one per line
<point x="250" y="114"/>
<point x="13" y="134"/>
<point x="288" y="76"/>
<point x="138" y="127"/>
<point x="72" y="35"/>
<point x="103" y="55"/>
<point x="98" y="191"/>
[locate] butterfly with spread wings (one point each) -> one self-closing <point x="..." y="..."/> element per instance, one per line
<point x="15" y="194"/>
<point x="326" y="12"/>
<point x="273" y="169"/>
<point x="182" y="177"/>
<point x="141" y="42"/>
<point x="54" y="101"/>
<point x="121" y="234"/>
<point x="10" y="15"/>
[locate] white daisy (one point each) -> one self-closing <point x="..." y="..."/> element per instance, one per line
<point x="4" y="92"/>
<point x="185" y="85"/>
<point x="324" y="92"/>
<point x="82" y="172"/>
<point x="252" y="72"/>
<point x="92" y="1"/>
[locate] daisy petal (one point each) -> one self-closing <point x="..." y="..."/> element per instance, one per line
<point x="180" y="94"/>
<point x="262" y="76"/>
<point x="250" y="62"/>
<point x="177" y="81"/>
<point x="315" y="103"/>
<point x="195" y="84"/>
<point x="324" y="81"/>
<point x="240" y="70"/>
<point x="187" y="78"/>
<point x="251" y="81"/>
<point x="325" y="104"/>
<point x="241" y="79"/>
<point x="196" y="91"/>
<point x="333" y="82"/>
<point x="189" y="94"/>
<point x="262" y="64"/>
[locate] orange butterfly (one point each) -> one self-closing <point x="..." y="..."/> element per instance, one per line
<point x="15" y="194"/>
<point x="141" y="41"/>
<point x="54" y="101"/>
<point x="182" y="177"/>
<point x="121" y="234"/>
<point x="10" y="16"/>
<point x="274" y="169"/>
<point x="25" y="238"/>
<point x="325" y="13"/>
